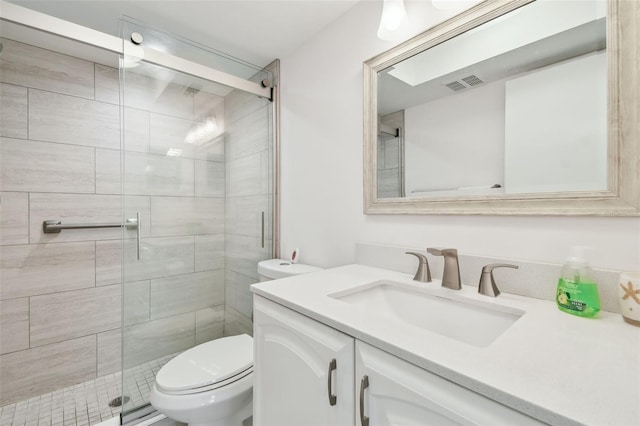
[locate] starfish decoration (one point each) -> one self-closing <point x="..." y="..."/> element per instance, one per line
<point x="631" y="292"/>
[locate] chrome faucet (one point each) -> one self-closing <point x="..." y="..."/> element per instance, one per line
<point x="451" y="270"/>
<point x="423" y="274"/>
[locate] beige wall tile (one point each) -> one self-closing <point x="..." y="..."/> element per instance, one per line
<point x="208" y="105"/>
<point x="248" y="175"/>
<point x="244" y="297"/>
<point x="168" y="132"/>
<point x="31" y="66"/>
<point x="186" y="293"/>
<point x="14" y="325"/>
<point x="235" y="323"/>
<point x="209" y="324"/>
<point x="107" y="84"/>
<point x="186" y="216"/>
<point x="13" y="111"/>
<point x="49" y="367"/>
<point x="159" y="257"/>
<point x="63" y="316"/>
<point x="136" y="130"/>
<point x="187" y="138"/>
<point x="154" y="95"/>
<point x="209" y="252"/>
<point x="46" y="268"/>
<point x="50" y="167"/>
<point x="230" y="288"/>
<point x="244" y="216"/>
<point x="108" y="171"/>
<point x="150" y="340"/>
<point x="148" y="174"/>
<point x="249" y="135"/>
<point x="109" y="352"/>
<point x="136" y="302"/>
<point x="244" y="253"/>
<point x="210" y="179"/>
<point x="212" y="150"/>
<point x="240" y="104"/>
<point x="108" y="262"/>
<point x="14" y="218"/>
<point x="67" y="119"/>
<point x="84" y="208"/>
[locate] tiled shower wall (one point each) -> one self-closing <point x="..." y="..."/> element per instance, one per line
<point x="249" y="156"/>
<point x="60" y="317"/>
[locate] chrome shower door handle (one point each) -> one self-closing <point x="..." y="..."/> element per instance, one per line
<point x="332" y="396"/>
<point x="138" y="236"/>
<point x="262" y="229"/>
<point x="364" y="384"/>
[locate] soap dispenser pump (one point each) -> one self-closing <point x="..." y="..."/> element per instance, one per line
<point x="577" y="292"/>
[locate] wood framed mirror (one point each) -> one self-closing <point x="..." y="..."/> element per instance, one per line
<point x="513" y="107"/>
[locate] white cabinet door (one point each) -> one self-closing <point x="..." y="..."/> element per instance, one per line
<point x="299" y="365"/>
<point x="391" y="391"/>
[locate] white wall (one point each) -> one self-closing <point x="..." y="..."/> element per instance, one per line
<point x="456" y="141"/>
<point x="556" y="127"/>
<point x="322" y="171"/>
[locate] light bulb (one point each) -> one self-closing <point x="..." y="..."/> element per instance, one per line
<point x="393" y="16"/>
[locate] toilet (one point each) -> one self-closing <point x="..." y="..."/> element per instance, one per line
<point x="209" y="384"/>
<point x="274" y="269"/>
<point x="212" y="384"/>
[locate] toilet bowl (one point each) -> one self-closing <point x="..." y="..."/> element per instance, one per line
<point x="210" y="384"/>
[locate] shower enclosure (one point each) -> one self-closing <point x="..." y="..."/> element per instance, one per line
<point x="163" y="152"/>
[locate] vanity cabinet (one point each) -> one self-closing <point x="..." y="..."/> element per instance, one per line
<point x="391" y="391"/>
<point x="295" y="379"/>
<point x="303" y="370"/>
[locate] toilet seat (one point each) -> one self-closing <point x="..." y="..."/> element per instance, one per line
<point x="208" y="366"/>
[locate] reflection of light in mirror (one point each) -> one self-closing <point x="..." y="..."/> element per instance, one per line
<point x="203" y="132"/>
<point x="393" y="17"/>
<point x="174" y="152"/>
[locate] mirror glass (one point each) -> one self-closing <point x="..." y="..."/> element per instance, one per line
<point x="517" y="105"/>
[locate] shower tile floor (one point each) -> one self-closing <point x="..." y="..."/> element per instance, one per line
<point x="86" y="403"/>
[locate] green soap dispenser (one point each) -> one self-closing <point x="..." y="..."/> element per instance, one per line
<point x="577" y="292"/>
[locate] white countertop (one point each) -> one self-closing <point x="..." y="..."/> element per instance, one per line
<point x="556" y="367"/>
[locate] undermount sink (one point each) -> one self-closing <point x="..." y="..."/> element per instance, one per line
<point x="472" y="321"/>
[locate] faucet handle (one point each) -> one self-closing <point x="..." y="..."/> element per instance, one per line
<point x="423" y="274"/>
<point x="487" y="285"/>
<point x="439" y="251"/>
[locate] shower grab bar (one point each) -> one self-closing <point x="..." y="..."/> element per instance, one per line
<point x="55" y="226"/>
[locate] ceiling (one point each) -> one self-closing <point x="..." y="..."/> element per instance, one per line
<point x="256" y="31"/>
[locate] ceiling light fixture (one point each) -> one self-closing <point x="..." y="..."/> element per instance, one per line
<point x="453" y="4"/>
<point x="393" y="18"/>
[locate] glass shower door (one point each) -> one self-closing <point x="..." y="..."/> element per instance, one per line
<point x="197" y="173"/>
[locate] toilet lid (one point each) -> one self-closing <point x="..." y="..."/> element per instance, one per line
<point x="206" y="364"/>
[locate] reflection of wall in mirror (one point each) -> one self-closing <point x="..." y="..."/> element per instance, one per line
<point x="456" y="142"/>
<point x="556" y="127"/>
<point x="542" y="131"/>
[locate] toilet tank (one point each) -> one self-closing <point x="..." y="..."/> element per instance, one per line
<point x="273" y="269"/>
